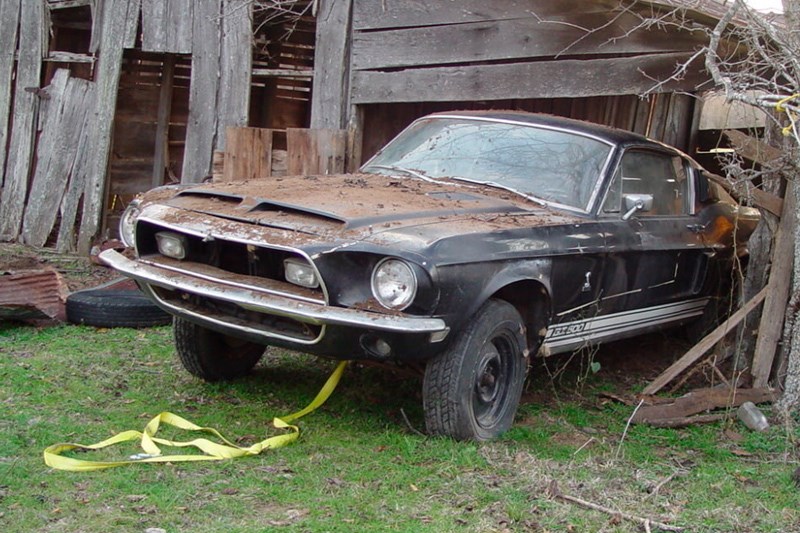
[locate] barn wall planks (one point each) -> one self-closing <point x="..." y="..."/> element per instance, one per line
<point x="115" y="22"/>
<point x="26" y="105"/>
<point x="167" y="26"/>
<point x="372" y="14"/>
<point x="9" y="26"/>
<point x="202" y="127"/>
<point x="316" y="151"/>
<point x="515" y="39"/>
<point x="331" y="72"/>
<point x="248" y="154"/>
<point x="545" y="79"/>
<point x="236" y="61"/>
<point x="62" y="131"/>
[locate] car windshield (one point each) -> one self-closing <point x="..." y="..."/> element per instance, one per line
<point x="536" y="162"/>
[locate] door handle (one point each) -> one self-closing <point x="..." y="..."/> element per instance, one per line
<point x="696" y="228"/>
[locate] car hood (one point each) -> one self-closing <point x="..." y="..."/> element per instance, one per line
<point x="363" y="206"/>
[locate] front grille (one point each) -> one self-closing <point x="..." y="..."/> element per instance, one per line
<point x="254" y="267"/>
<point x="260" y="262"/>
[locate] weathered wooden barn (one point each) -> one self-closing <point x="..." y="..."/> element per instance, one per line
<point x="100" y="99"/>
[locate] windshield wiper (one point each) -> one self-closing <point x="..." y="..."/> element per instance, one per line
<point x="501" y="186"/>
<point x="409" y="171"/>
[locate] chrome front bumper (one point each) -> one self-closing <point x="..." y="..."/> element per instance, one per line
<point x="317" y="314"/>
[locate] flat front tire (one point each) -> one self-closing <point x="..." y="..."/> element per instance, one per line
<point x="471" y="390"/>
<point x="212" y="356"/>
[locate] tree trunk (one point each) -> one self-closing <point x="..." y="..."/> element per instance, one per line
<point x="790" y="401"/>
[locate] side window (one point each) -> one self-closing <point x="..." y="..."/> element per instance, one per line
<point x="661" y="175"/>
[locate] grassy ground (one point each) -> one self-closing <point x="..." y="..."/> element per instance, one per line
<point x="359" y="466"/>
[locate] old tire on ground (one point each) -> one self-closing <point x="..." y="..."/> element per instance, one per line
<point x="212" y="356"/>
<point x="471" y="390"/>
<point x="114" y="308"/>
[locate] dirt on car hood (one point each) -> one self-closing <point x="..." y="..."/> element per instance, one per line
<point x="352" y="202"/>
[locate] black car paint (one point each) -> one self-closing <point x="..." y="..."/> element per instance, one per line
<point x="571" y="265"/>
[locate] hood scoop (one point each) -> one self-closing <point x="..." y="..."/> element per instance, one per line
<point x="254" y="206"/>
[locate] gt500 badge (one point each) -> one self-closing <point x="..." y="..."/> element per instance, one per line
<point x="567" y="329"/>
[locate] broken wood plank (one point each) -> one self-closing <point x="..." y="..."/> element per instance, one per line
<point x="708" y="342"/>
<point x="32" y="294"/>
<point x="331" y="66"/>
<point x="236" y="61"/>
<point x="248" y="154"/>
<point x="66" y="4"/>
<point x="9" y="26"/>
<point x="570" y="78"/>
<point x="65" y="119"/>
<point x="26" y="106"/>
<point x="313" y="151"/>
<point x="204" y="84"/>
<point x="751" y="148"/>
<point x="69" y="57"/>
<point x="698" y="401"/>
<point x="167" y="26"/>
<point x="574" y="34"/>
<point x="770" y="328"/>
<point x="682" y="422"/>
<point x="77" y="178"/>
<point x="161" y="152"/>
<point x="115" y="22"/>
<point x="747" y="193"/>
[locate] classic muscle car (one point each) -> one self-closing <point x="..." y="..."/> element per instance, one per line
<point x="471" y="242"/>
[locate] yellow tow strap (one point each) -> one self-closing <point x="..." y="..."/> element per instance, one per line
<point x="213" y="451"/>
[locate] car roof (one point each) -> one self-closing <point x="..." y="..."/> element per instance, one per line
<point x="613" y="135"/>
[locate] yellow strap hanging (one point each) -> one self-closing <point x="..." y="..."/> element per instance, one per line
<point x="213" y="451"/>
<point x="781" y="108"/>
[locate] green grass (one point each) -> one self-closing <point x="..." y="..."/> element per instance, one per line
<point x="358" y="465"/>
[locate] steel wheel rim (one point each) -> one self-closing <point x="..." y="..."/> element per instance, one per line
<point x="493" y="381"/>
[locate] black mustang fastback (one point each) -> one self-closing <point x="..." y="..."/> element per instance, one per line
<point x="469" y="243"/>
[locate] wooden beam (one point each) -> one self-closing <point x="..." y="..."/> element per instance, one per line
<point x="370" y="15"/>
<point x="543" y="79"/>
<point x="26" y="107"/>
<point x="9" y="26"/>
<point x="167" y="26"/>
<point x="161" y="152"/>
<point x="329" y="94"/>
<point x="236" y="62"/>
<point x="69" y="57"/>
<point x="751" y="148"/>
<point x="572" y="34"/>
<point x="204" y="84"/>
<point x="109" y="64"/>
<point x="281" y="73"/>
<point x="747" y="192"/>
<point x="698" y="401"/>
<point x="780" y="278"/>
<point x="708" y="342"/>
<point x="66" y="4"/>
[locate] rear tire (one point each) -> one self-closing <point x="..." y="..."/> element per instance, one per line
<point x="471" y="390"/>
<point x="212" y="356"/>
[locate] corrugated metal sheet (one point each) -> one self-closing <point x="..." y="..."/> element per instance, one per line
<point x="33" y="294"/>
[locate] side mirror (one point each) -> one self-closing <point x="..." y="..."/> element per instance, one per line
<point x="636" y="202"/>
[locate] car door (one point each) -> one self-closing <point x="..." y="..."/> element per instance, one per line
<point x="657" y="259"/>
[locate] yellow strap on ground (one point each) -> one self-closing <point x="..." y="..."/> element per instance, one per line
<point x="213" y="451"/>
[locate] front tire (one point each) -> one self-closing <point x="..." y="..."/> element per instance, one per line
<point x="212" y="356"/>
<point x="471" y="390"/>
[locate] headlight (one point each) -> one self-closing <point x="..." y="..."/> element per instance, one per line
<point x="171" y="244"/>
<point x="127" y="224"/>
<point x="394" y="284"/>
<point x="300" y="273"/>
